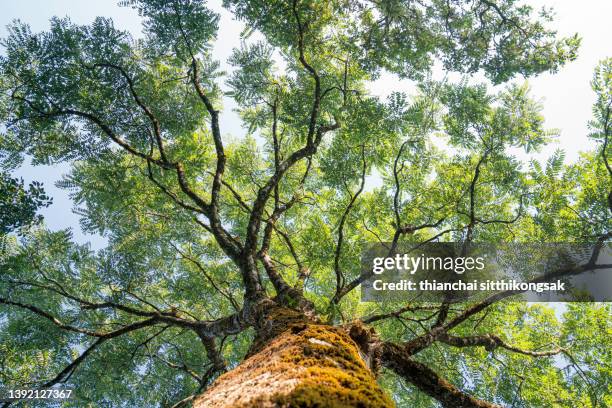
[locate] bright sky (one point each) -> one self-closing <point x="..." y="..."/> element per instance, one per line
<point x="566" y="96"/>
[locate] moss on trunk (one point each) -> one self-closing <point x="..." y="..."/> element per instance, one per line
<point x="307" y="365"/>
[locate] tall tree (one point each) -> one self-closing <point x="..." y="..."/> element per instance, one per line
<point x="231" y="272"/>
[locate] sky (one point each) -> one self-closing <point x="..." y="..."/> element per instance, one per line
<point x="566" y="96"/>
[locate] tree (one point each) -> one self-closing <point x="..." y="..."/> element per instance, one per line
<point x="18" y="205"/>
<point x="241" y="255"/>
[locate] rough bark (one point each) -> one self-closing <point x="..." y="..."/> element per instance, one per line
<point x="305" y="365"/>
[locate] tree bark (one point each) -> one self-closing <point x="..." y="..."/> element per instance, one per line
<point x="305" y="365"/>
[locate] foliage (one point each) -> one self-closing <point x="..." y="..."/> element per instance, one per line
<point x="18" y="205"/>
<point x="205" y="228"/>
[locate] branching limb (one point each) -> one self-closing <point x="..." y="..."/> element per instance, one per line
<point x="183" y="367"/>
<point x="478" y="307"/>
<point x="428" y="381"/>
<point x="51" y="318"/>
<point x="216" y="133"/>
<point x="170" y="317"/>
<point x="209" y="278"/>
<point x="314" y="112"/>
<point x="313" y="139"/>
<point x="396" y="313"/>
<point x="231" y="324"/>
<point x="367" y="274"/>
<point x="171" y="194"/>
<point x="230" y="246"/>
<point x="67" y="372"/>
<point x="472" y="194"/>
<point x="280" y="285"/>
<point x="491" y="341"/>
<point x="340" y="279"/>
<point x="213" y="353"/>
<point x="147" y="111"/>
<point x="183" y="402"/>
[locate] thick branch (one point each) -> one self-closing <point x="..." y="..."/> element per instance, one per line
<point x="491" y="342"/>
<point x="231" y="324"/>
<point x="396" y="313"/>
<point x="394" y="357"/>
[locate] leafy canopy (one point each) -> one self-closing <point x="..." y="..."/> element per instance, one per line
<point x="18" y="205"/>
<point x="204" y="226"/>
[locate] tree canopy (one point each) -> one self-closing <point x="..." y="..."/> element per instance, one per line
<point x="205" y="227"/>
<point x="18" y="205"/>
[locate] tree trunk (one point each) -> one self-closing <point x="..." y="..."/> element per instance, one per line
<point x="305" y="365"/>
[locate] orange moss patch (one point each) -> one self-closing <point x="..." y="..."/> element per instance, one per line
<point x="308" y="365"/>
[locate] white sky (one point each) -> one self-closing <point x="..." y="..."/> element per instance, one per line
<point x="566" y="96"/>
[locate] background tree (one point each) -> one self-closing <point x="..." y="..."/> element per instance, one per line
<point x="242" y="254"/>
<point x="18" y="205"/>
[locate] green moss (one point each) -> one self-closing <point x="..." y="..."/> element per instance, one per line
<point x="334" y="376"/>
<point x="306" y="365"/>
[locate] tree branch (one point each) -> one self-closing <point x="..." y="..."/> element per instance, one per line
<point x="490" y="342"/>
<point x="394" y="357"/>
<point x="337" y="253"/>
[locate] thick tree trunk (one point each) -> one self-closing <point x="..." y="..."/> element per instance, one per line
<point x="304" y="365"/>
